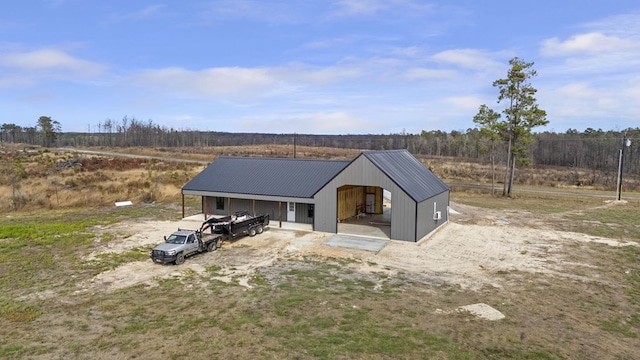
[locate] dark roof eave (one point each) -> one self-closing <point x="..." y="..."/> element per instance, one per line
<point x="245" y="193"/>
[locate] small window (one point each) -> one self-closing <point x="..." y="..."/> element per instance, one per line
<point x="292" y="206"/>
<point x="219" y="203"/>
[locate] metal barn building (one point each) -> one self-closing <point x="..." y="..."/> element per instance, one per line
<point x="324" y="193"/>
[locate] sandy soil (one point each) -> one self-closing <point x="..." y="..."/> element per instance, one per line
<point x="470" y="252"/>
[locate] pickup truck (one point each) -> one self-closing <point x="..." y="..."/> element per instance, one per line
<point x="183" y="243"/>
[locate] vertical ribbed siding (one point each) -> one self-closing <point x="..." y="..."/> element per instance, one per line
<point x="425" y="222"/>
<point x="362" y="172"/>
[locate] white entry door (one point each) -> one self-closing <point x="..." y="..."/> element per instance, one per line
<point x="370" y="205"/>
<point x="291" y="212"/>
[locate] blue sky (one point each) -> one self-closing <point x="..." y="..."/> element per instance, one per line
<point x="314" y="66"/>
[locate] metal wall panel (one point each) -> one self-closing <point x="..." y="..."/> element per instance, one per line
<point x="363" y="172"/>
<point x="209" y="205"/>
<point x="425" y="221"/>
<point x="240" y="205"/>
<point x="267" y="207"/>
<point x="303" y="212"/>
<point x="261" y="207"/>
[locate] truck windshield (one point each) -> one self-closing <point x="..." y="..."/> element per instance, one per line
<point x="176" y="239"/>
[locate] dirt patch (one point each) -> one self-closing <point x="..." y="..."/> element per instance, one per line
<point x="480" y="310"/>
<point x="471" y="252"/>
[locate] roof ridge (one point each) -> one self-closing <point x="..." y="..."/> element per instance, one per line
<point x="277" y="158"/>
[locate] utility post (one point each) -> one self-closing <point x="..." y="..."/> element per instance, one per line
<point x="295" y="135"/>
<point x="625" y="143"/>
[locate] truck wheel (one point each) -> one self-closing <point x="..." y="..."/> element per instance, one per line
<point x="212" y="246"/>
<point x="259" y="229"/>
<point x="252" y="232"/>
<point x="179" y="259"/>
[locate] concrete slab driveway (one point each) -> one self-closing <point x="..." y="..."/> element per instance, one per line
<point x="356" y="242"/>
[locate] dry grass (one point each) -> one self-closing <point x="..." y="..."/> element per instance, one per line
<point x="211" y="152"/>
<point x="34" y="177"/>
<point x="39" y="178"/>
<point x="453" y="169"/>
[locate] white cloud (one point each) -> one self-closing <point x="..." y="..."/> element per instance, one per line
<point x="243" y="83"/>
<point x="425" y="73"/>
<point x="593" y="42"/>
<point x="604" y="48"/>
<point x="49" y="59"/>
<point x="633" y="93"/>
<point x="468" y="58"/>
<point x="15" y="81"/>
<point x="318" y="76"/>
<point x="371" y="7"/>
<point x="273" y="12"/>
<point x="335" y="122"/>
<point x="329" y="43"/>
<point x="330" y="122"/>
<point x="359" y="7"/>
<point x="409" y="52"/>
<point x="465" y="103"/>
<point x="238" y="8"/>
<point x="584" y="100"/>
<point x="577" y="91"/>
<point x="144" y="13"/>
<point x="211" y="82"/>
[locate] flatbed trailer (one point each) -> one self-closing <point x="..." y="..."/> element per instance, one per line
<point x="240" y="224"/>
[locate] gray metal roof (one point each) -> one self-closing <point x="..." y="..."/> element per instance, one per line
<point x="408" y="173"/>
<point x="285" y="177"/>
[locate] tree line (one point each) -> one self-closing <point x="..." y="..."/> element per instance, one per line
<point x="589" y="149"/>
<point x="44" y="133"/>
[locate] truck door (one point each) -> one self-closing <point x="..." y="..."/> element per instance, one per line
<point x="192" y="244"/>
<point x="291" y="213"/>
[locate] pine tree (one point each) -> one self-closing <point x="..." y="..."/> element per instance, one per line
<point x="522" y="114"/>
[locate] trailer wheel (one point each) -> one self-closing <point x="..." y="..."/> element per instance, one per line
<point x="259" y="229"/>
<point x="179" y="259"/>
<point x="212" y="246"/>
<point x="252" y="232"/>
